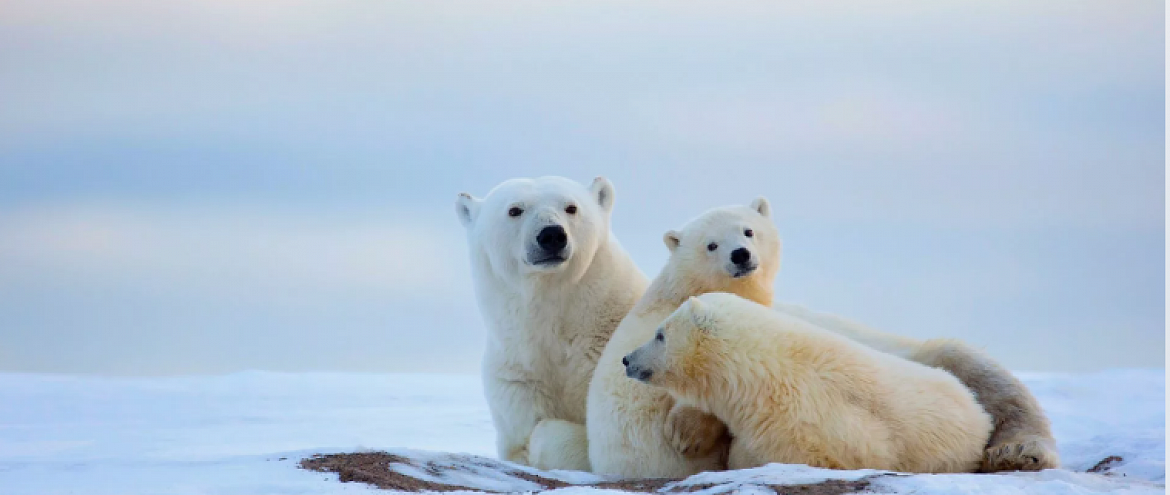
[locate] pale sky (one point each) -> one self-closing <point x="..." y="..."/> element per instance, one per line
<point x="211" y="186"/>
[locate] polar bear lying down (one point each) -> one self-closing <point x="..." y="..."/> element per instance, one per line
<point x="792" y="392"/>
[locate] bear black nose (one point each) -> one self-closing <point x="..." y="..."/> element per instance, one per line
<point x="552" y="238"/>
<point x="740" y="256"/>
<point x="625" y="361"/>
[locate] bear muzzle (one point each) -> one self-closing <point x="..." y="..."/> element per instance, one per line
<point x="636" y="372"/>
<point x="551" y="247"/>
<point x="742" y="263"/>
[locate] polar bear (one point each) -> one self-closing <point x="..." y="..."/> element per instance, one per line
<point x="795" y="393"/>
<point x="552" y="283"/>
<point x="636" y="430"/>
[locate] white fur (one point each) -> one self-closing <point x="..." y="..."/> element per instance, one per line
<point x="559" y="444"/>
<point x="546" y="326"/>
<point x="897" y="345"/>
<point x="626" y="418"/>
<point x="1022" y="440"/>
<point x="793" y="392"/>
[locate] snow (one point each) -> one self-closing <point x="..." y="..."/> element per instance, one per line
<point x="244" y="434"/>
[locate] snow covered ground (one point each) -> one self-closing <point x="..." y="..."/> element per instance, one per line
<point x="244" y="434"/>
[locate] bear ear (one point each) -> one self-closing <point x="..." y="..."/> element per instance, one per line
<point x="602" y="193"/>
<point x="467" y="207"/>
<point x="671" y="239"/>
<point x="761" y="205"/>
<point x="698" y="313"/>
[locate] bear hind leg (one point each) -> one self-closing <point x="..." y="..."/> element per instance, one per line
<point x="1021" y="439"/>
<point x="559" y="444"/>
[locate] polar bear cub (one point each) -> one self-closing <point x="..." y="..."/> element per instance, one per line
<point x="792" y="392"/>
<point x="635" y="430"/>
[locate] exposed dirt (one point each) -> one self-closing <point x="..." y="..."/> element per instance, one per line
<point x="1106" y="464"/>
<point x="374" y="468"/>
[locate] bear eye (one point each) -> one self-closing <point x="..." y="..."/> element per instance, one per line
<point x="660" y="337"/>
<point x="713" y="246"/>
<point x="571" y="209"/>
<point x="515" y="211"/>
<point x="749" y="232"/>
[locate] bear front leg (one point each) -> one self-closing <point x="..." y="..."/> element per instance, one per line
<point x="1021" y="439"/>
<point x="516" y="409"/>
<point x="694" y="433"/>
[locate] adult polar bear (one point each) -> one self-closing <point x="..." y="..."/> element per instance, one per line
<point x="552" y="285"/>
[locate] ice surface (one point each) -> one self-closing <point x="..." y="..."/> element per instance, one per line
<point x="244" y="434"/>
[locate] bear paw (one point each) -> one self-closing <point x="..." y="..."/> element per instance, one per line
<point x="1029" y="453"/>
<point x="518" y="455"/>
<point x="694" y="433"/>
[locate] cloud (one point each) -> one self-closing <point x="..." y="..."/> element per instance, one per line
<point x="163" y="287"/>
<point x="225" y="251"/>
<point x="760" y="122"/>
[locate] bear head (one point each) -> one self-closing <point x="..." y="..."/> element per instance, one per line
<point x="686" y="347"/>
<point x="534" y="227"/>
<point x="729" y="249"/>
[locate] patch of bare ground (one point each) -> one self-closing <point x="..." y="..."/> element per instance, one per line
<point x="1106" y="464"/>
<point x="374" y="468"/>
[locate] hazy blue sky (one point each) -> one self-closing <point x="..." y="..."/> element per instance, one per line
<point x="209" y="186"/>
